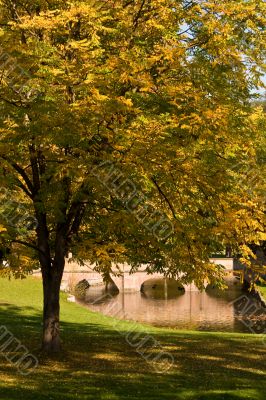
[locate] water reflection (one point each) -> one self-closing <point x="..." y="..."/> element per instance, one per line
<point x="162" y="289"/>
<point x="210" y="310"/>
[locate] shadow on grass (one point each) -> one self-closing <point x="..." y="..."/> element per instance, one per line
<point x="98" y="363"/>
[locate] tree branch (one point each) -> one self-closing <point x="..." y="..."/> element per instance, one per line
<point x="24" y="188"/>
<point x="21" y="172"/>
<point x="30" y="245"/>
<point x="165" y="197"/>
<point x="136" y="19"/>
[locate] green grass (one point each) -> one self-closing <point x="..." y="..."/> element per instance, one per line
<point x="262" y="289"/>
<point x="98" y="363"/>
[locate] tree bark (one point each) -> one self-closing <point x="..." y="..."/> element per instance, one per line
<point x="52" y="267"/>
<point x="51" y="309"/>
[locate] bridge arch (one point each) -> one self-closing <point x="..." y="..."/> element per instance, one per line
<point x="133" y="282"/>
<point x="162" y="288"/>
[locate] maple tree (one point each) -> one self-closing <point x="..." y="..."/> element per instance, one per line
<point x="121" y="124"/>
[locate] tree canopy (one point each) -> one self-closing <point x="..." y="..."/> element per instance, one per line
<point x="126" y="127"/>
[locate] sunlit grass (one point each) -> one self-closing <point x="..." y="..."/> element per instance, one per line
<point x="97" y="362"/>
<point x="262" y="289"/>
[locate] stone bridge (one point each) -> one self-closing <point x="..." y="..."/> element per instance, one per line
<point x="126" y="282"/>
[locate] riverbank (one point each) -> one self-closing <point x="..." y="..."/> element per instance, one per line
<point x="100" y="360"/>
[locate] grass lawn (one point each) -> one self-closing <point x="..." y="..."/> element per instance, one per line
<point x="262" y="289"/>
<point x="98" y="363"/>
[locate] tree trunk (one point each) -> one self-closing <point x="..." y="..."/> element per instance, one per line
<point x="52" y="267"/>
<point x="51" y="309"/>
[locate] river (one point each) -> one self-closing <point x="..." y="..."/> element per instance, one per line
<point x="232" y="310"/>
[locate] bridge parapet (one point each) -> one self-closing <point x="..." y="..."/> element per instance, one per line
<point x="126" y="281"/>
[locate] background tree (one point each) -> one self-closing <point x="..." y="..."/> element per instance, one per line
<point x="121" y="122"/>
